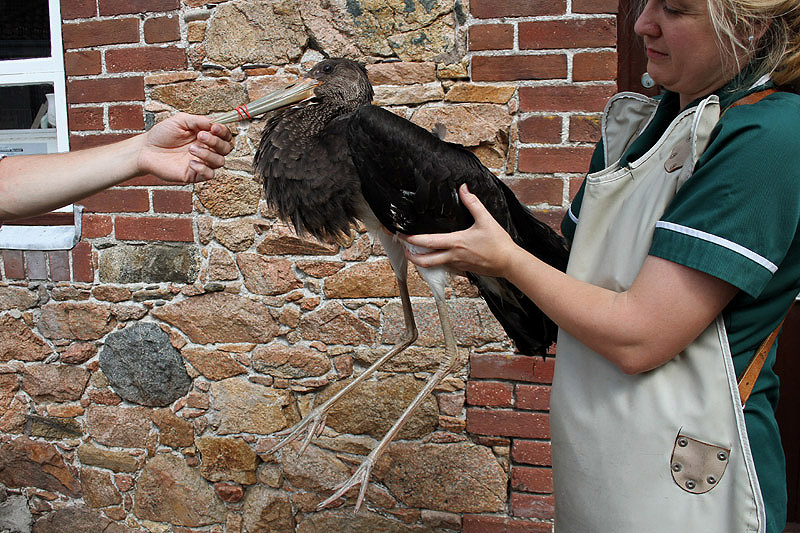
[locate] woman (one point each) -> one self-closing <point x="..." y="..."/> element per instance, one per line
<point x="684" y="258"/>
<point x="183" y="149"/>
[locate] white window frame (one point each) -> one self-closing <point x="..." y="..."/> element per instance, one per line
<point x="44" y="70"/>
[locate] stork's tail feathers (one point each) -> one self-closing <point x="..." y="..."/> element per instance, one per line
<point x="530" y="329"/>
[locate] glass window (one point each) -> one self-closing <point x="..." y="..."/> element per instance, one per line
<point x="33" y="111"/>
<point x="24" y="29"/>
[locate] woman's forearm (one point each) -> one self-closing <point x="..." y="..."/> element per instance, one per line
<point x="665" y="309"/>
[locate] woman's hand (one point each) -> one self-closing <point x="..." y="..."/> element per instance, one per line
<point x="484" y="248"/>
<point x="184" y="149"/>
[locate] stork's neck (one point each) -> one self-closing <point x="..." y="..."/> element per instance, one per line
<point x="315" y="115"/>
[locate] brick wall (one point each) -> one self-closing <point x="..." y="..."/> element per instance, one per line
<point x="558" y="57"/>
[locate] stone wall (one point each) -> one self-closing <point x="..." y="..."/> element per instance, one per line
<point x="143" y="374"/>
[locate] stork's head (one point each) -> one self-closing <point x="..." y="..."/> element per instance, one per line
<point x="343" y="83"/>
<point x="339" y="83"/>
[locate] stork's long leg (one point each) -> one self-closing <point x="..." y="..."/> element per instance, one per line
<point x="361" y="476"/>
<point x="314" y="422"/>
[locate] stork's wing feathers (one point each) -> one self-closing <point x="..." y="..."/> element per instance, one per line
<point x="412" y="186"/>
<point x="414" y="190"/>
<point x="309" y="180"/>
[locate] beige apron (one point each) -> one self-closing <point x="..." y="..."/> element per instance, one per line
<point x="666" y="450"/>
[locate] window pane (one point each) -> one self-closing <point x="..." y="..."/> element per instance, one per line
<point x="26" y="127"/>
<point x="22" y="107"/>
<point x="24" y="29"/>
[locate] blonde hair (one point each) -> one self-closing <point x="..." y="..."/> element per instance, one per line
<point x="777" y="22"/>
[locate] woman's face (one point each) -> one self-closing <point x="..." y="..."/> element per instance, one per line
<point x="684" y="54"/>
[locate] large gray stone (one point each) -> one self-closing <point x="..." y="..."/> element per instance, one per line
<point x="150" y="263"/>
<point x="15" y="516"/>
<point x="143" y="367"/>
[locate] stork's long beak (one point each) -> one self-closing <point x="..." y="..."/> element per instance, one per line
<point x="301" y="89"/>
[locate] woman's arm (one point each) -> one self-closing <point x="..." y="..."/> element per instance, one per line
<point x="664" y="310"/>
<point x="183" y="149"/>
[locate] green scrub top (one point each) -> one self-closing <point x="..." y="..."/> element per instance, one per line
<point x="737" y="218"/>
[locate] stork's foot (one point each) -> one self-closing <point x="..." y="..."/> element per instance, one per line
<point x="312" y="425"/>
<point x="360" y="477"/>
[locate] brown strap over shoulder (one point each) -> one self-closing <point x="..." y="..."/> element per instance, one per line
<point x="752" y="98"/>
<point x="748" y="378"/>
<point x="750" y="374"/>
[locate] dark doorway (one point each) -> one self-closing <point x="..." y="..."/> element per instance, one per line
<point x="788" y="369"/>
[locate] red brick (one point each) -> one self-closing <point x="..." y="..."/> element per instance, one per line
<point x="154" y="229"/>
<point x="551" y="216"/>
<point x="94" y="226"/>
<point x="162" y="30"/>
<point x="587" y="99"/>
<point x="594" y="66"/>
<point x="148" y="180"/>
<point x="555" y="159"/>
<point x="595" y="6"/>
<point x="501" y="524"/>
<point x="105" y="89"/>
<point x="587" y="33"/>
<point x="532" y="479"/>
<point x="513" y="367"/>
<point x="574" y="186"/>
<point x="145" y="59"/>
<point x="85" y="118"/>
<point x="172" y="201"/>
<point x="82" y="63"/>
<point x="519" y="67"/>
<point x="118" y="201"/>
<point x="534" y="191"/>
<point x="532" y="452"/>
<point x="77" y="9"/>
<point x="533" y="397"/>
<point x="542" y="129"/>
<point x="123" y="7"/>
<point x="59" y="265"/>
<point x="100" y="32"/>
<point x="485" y="9"/>
<point x="532" y="505"/>
<point x="490" y="393"/>
<point x="79" y="142"/>
<point x="584" y="128"/>
<point x="82" y="263"/>
<point x="14" y="264"/>
<point x="508" y="423"/>
<point x="126" y="117"/>
<point x="491" y="37"/>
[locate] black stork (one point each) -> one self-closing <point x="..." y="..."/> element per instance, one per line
<point x="335" y="159"/>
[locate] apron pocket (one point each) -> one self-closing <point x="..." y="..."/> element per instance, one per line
<point x="697" y="466"/>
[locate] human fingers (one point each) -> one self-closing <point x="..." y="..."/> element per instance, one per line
<point x="208" y="157"/>
<point x="430" y="241"/>
<point x="473" y="204"/>
<point x="218" y="139"/>
<point x="197" y="171"/>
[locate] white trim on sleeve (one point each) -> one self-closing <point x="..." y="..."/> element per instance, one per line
<point x="725" y="243"/>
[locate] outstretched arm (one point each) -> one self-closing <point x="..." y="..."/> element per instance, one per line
<point x="664" y="310"/>
<point x="182" y="149"/>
